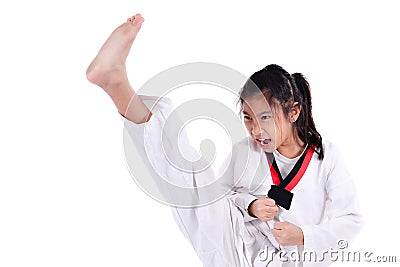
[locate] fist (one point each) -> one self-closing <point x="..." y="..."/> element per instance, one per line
<point x="288" y="234"/>
<point x="263" y="208"/>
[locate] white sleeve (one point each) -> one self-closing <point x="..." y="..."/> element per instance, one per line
<point x="239" y="195"/>
<point x="242" y="201"/>
<point x="342" y="211"/>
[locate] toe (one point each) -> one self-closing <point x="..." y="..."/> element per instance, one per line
<point x="138" y="19"/>
<point x="131" y="19"/>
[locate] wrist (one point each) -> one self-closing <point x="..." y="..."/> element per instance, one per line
<point x="250" y="209"/>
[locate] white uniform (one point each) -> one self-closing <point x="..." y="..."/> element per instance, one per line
<point x="324" y="205"/>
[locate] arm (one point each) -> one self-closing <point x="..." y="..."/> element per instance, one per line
<point x="254" y="208"/>
<point x="243" y="201"/>
<point x="343" y="217"/>
<point x="239" y="177"/>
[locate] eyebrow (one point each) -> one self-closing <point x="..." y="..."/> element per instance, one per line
<point x="264" y="112"/>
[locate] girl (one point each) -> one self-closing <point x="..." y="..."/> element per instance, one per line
<point x="312" y="204"/>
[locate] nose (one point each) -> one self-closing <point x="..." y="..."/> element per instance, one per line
<point x="256" y="129"/>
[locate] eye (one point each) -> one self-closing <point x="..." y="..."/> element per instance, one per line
<point x="247" y="118"/>
<point x="265" y="117"/>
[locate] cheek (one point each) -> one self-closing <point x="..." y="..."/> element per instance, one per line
<point x="279" y="131"/>
<point x="282" y="131"/>
<point x="269" y="127"/>
<point x="248" y="126"/>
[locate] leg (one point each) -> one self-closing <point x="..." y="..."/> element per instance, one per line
<point x="108" y="70"/>
<point x="219" y="235"/>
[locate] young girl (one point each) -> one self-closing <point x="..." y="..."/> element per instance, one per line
<point x="312" y="204"/>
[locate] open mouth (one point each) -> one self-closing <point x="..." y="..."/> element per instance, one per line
<point x="263" y="142"/>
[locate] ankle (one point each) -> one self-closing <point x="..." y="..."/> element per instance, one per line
<point x="114" y="77"/>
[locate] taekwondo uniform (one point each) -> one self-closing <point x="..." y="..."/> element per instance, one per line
<point x="222" y="233"/>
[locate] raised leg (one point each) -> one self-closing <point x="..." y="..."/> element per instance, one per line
<point x="108" y="70"/>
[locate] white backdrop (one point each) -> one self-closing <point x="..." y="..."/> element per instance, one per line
<point x="66" y="196"/>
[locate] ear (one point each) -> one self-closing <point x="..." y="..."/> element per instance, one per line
<point x="294" y="112"/>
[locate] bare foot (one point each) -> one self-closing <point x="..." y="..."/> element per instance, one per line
<point x="108" y="69"/>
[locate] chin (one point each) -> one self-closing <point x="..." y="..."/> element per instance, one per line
<point x="268" y="150"/>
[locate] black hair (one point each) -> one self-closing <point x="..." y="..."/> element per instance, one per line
<point x="276" y="84"/>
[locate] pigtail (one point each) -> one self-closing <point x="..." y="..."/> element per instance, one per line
<point x="305" y="123"/>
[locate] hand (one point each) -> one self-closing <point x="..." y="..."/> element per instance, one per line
<point x="288" y="234"/>
<point x="263" y="208"/>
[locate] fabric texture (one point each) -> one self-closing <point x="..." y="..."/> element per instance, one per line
<point x="223" y="233"/>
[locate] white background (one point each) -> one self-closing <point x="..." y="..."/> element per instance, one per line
<point x="66" y="196"/>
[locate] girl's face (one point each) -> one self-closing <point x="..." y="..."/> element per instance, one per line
<point x="269" y="129"/>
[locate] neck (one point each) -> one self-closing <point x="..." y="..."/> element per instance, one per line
<point x="291" y="148"/>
